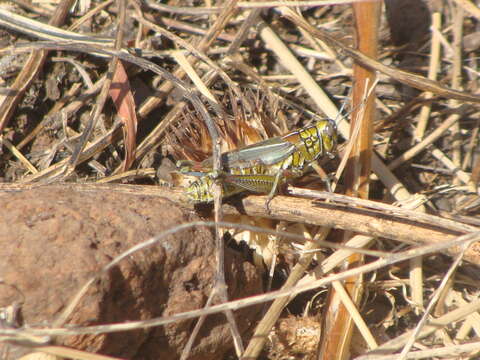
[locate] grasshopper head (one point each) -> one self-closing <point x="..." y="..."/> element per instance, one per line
<point x="328" y="131"/>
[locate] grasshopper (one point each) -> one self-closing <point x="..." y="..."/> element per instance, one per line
<point x="262" y="166"/>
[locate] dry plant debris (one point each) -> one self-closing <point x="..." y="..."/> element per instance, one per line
<point x="115" y="91"/>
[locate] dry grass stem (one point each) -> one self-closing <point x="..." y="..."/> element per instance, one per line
<point x="432" y="72"/>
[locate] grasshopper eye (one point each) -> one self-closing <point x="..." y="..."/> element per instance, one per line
<point x="331" y="129"/>
<point x="330" y="136"/>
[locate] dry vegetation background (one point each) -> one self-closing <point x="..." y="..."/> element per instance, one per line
<point x="99" y="98"/>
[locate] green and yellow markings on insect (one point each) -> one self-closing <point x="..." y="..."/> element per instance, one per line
<point x="263" y="166"/>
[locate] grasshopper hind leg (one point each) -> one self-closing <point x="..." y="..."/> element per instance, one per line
<point x="257" y="183"/>
<point x="273" y="191"/>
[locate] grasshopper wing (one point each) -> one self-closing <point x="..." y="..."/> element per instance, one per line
<point x="267" y="152"/>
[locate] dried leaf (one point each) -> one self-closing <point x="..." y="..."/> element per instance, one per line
<point x="122" y="97"/>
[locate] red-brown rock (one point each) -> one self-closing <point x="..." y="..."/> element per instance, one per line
<point x="53" y="239"/>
